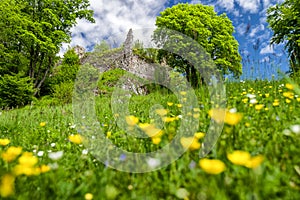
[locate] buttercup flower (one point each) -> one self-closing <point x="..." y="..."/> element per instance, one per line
<point x="88" y="196"/>
<point x="4" y="142"/>
<point x="239" y="157"/>
<point x="43" y="124"/>
<point x="7" y="185"/>
<point x="77" y="139"/>
<point x="131" y="120"/>
<point x="161" y="112"/>
<point x="222" y="115"/>
<point x="11" y="153"/>
<point x="212" y="166"/>
<point x="254" y="161"/>
<point x="190" y="143"/>
<point x="289" y="86"/>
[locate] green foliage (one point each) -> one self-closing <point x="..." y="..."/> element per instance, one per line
<point x="63" y="92"/>
<point x="36" y="31"/>
<point x="203" y="25"/>
<point x="284" y="20"/>
<point x="109" y="79"/>
<point x="15" y="90"/>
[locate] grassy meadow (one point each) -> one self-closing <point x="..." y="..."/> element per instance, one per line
<point x="257" y="155"/>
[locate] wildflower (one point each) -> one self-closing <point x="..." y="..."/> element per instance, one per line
<point x="11" y="153"/>
<point x="182" y="193"/>
<point x="245" y="100"/>
<point x="161" y="112"/>
<point x="259" y="106"/>
<point x="179" y="105"/>
<point x="42" y="124"/>
<point x="267" y="95"/>
<point x="289" y="86"/>
<point x="108" y="134"/>
<point x="131" y="120"/>
<point x="239" y="157"/>
<point x="4" y="142"/>
<point x="7" y="185"/>
<point x="199" y="135"/>
<point x="295" y="128"/>
<point x="190" y="143"/>
<point x="233" y="118"/>
<point x="289" y="95"/>
<point x="88" y="196"/>
<point x="156" y="140"/>
<point x="44" y="168"/>
<point x="298" y="99"/>
<point x="169" y="119"/>
<point x="183" y="93"/>
<point x="153" y="162"/>
<point x="28" y="159"/>
<point x="196" y="109"/>
<point x="55" y="155"/>
<point x="170" y="103"/>
<point x="77" y="139"/>
<point x="247" y="124"/>
<point x="196" y="116"/>
<point x="212" y="166"/>
<point x="244" y="158"/>
<point x="251" y="96"/>
<point x="288" y="101"/>
<point x="151" y="130"/>
<point x="254" y="161"/>
<point x="276" y="102"/>
<point x="221" y="115"/>
<point x="253" y="101"/>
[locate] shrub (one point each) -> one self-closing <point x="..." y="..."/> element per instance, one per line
<point x="15" y="90"/>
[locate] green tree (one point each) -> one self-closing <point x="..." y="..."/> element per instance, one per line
<point x="38" y="29"/>
<point x="212" y="32"/>
<point x="284" y="20"/>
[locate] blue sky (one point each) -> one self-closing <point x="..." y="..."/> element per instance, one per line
<point x="116" y="17"/>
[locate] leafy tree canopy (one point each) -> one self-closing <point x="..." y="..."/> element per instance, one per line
<point x="284" y="20"/>
<point x="212" y="32"/>
<point x="31" y="34"/>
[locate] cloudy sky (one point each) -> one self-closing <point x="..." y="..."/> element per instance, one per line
<point x="116" y="17"/>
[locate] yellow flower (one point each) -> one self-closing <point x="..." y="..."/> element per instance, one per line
<point x="190" y="143"/>
<point x="288" y="101"/>
<point x="88" y="196"/>
<point x="267" y="95"/>
<point x="44" y="168"/>
<point x="259" y="106"/>
<point x="222" y="115"/>
<point x="289" y="86"/>
<point x="183" y="93"/>
<point x="170" y="103"/>
<point x="169" y="119"/>
<point x="212" y="166"/>
<point x="156" y="140"/>
<point x="27" y="159"/>
<point x="289" y="95"/>
<point x="11" y="153"/>
<point x="7" y="185"/>
<point x="179" y="105"/>
<point x="239" y="157"/>
<point x="151" y="130"/>
<point x="108" y="134"/>
<point x="196" y="109"/>
<point x="199" y="135"/>
<point x="196" y="116"/>
<point x="245" y="100"/>
<point x="26" y="170"/>
<point x="131" y="120"/>
<point x="247" y="124"/>
<point x="161" y="112"/>
<point x="77" y="139"/>
<point x="298" y="99"/>
<point x="43" y="124"/>
<point x="276" y="102"/>
<point x="254" y="161"/>
<point x="4" y="142"/>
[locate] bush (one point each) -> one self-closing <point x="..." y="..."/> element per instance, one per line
<point x="63" y="92"/>
<point x="15" y="90"/>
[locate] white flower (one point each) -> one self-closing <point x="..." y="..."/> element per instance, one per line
<point x="295" y="128"/>
<point x="286" y="132"/>
<point x="251" y="96"/>
<point x="233" y="110"/>
<point x="52" y="144"/>
<point x="153" y="162"/>
<point x="85" y="151"/>
<point x="55" y="155"/>
<point x="40" y="153"/>
<point x="253" y="101"/>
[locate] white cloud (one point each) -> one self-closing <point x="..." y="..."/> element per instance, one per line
<point x="227" y="4"/>
<point x="115" y="18"/>
<point x="267" y="49"/>
<point x="256" y="30"/>
<point x="249" y="5"/>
